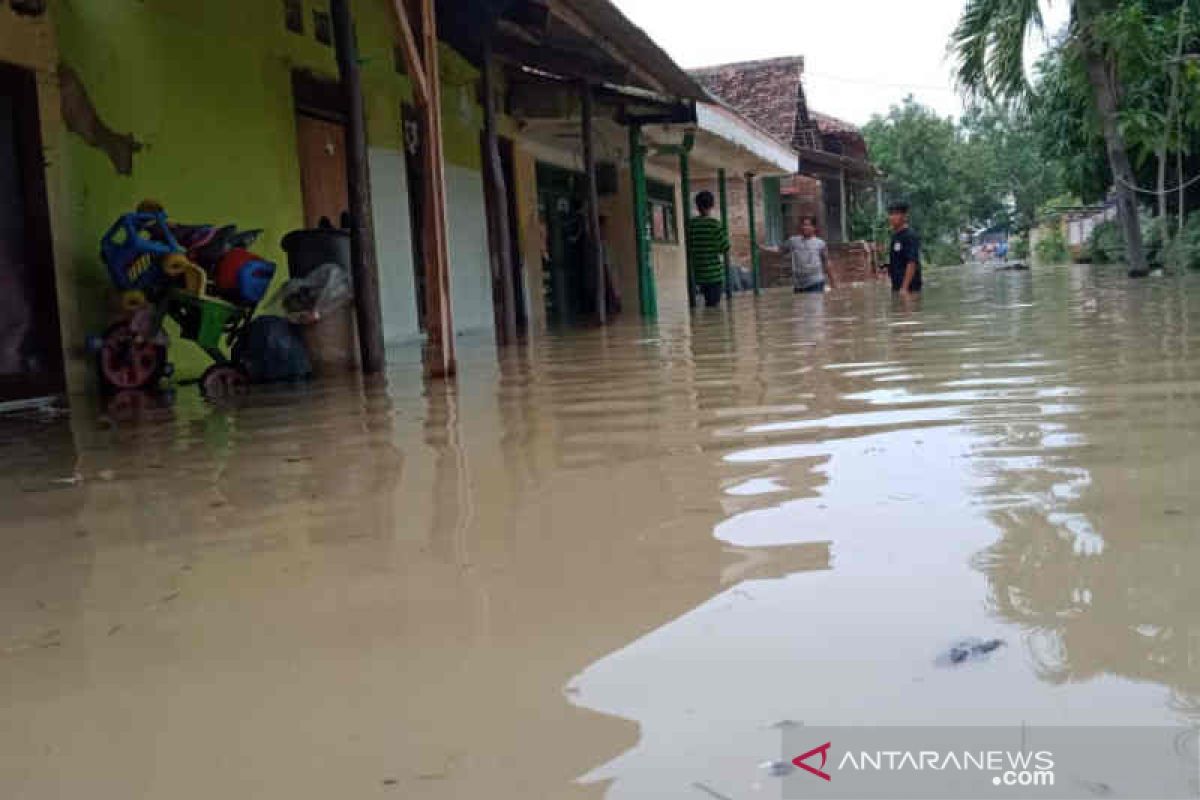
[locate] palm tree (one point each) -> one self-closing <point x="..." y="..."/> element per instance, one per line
<point x="989" y="45"/>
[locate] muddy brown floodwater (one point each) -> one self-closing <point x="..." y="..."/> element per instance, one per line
<point x="612" y="564"/>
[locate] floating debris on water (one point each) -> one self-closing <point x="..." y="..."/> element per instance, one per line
<point x="776" y="769"/>
<point x="973" y="649"/>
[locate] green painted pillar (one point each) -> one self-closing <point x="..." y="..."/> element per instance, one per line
<point x="754" y="259"/>
<point x="724" y="192"/>
<point x="647" y="292"/>
<point x="685" y="178"/>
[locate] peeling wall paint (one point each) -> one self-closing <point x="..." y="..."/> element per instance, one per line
<point x="81" y="118"/>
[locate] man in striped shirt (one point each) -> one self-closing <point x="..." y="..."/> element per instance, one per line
<point x="708" y="242"/>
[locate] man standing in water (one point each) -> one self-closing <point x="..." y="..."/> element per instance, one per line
<point x="810" y="259"/>
<point x="708" y="242"/>
<point x="905" y="252"/>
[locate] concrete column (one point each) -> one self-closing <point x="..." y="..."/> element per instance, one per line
<point x="754" y="255"/>
<point x="647" y="292"/>
<point x="724" y="192"/>
<point x="685" y="179"/>
<point x="844" y="206"/>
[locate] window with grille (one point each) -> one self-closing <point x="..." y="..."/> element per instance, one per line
<point x="664" y="224"/>
<point x="773" y="231"/>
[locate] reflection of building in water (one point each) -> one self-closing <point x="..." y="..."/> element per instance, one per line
<point x="1118" y="605"/>
<point x="1095" y="513"/>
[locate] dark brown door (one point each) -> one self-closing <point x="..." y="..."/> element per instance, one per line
<point x="30" y="349"/>
<point x="322" y="150"/>
<point x="414" y="163"/>
<point x="322" y="170"/>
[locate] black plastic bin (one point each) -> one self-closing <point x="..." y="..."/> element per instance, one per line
<point x="308" y="249"/>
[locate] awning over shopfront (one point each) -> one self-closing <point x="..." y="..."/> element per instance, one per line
<point x="825" y="165"/>
<point x="724" y="140"/>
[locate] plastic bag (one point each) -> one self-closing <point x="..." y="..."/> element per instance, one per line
<point x="272" y="350"/>
<point x="305" y="301"/>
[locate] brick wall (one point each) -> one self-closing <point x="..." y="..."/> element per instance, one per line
<point x="853" y="262"/>
<point x="739" y="218"/>
<point x="801" y="197"/>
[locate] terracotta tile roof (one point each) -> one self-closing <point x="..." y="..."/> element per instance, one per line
<point x="770" y="93"/>
<point x="765" y="92"/>
<point x="828" y="124"/>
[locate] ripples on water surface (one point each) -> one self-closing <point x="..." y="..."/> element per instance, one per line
<point x="609" y="564"/>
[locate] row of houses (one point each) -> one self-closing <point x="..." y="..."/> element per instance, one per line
<point x="490" y="155"/>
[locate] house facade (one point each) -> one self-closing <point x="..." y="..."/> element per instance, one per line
<point x="234" y="112"/>
<point x="834" y="178"/>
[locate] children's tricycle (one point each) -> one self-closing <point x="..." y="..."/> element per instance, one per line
<point x="202" y="277"/>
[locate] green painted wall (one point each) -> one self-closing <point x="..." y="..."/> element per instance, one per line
<point x="206" y="86"/>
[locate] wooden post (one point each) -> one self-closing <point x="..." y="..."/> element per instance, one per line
<point x="647" y="292"/>
<point x="595" y="249"/>
<point x="844" y="206"/>
<point x="421" y="64"/>
<point x="724" y="192"/>
<point x="363" y="259"/>
<point x="685" y="179"/>
<point x="754" y="256"/>
<point x="498" y="207"/>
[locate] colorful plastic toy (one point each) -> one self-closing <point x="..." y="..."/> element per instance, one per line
<point x="210" y="285"/>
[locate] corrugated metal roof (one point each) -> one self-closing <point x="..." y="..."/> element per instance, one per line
<point x="611" y="25"/>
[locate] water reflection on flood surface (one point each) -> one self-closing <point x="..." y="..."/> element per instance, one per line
<point x="613" y="564"/>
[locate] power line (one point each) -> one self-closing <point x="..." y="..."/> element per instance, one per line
<point x="881" y="84"/>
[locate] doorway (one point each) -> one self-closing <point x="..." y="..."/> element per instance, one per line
<point x="321" y="144"/>
<point x="564" y="228"/>
<point x="322" y="170"/>
<point x="509" y="209"/>
<point x="30" y="344"/>
<point x="321" y="150"/>
<point x="414" y="165"/>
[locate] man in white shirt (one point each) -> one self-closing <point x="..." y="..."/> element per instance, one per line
<point x="810" y="259"/>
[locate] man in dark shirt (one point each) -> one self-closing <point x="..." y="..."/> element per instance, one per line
<point x="905" y="255"/>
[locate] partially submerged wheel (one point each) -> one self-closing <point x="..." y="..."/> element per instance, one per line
<point x="223" y="380"/>
<point x="129" y="360"/>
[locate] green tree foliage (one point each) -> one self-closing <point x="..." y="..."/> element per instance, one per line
<point x="1143" y="36"/>
<point x="981" y="172"/>
<point x="1184" y="249"/>
<point x="989" y="47"/>
<point x="925" y="159"/>
<point x="1065" y="127"/>
<point x="1052" y="248"/>
<point x="1004" y="144"/>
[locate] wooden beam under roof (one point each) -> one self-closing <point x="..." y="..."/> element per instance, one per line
<point x="572" y="18"/>
<point x="576" y="65"/>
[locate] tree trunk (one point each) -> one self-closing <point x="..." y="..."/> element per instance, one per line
<point x="1105" y="95"/>
<point x="1162" y="184"/>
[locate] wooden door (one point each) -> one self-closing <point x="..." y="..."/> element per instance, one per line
<point x="30" y="349"/>
<point x="322" y="170"/>
<point x="322" y="148"/>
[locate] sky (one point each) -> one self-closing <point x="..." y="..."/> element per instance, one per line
<point x="861" y="56"/>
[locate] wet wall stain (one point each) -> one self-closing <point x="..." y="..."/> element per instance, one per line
<point x="83" y="119"/>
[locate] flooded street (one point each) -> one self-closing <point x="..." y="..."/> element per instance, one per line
<point x="615" y="563"/>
